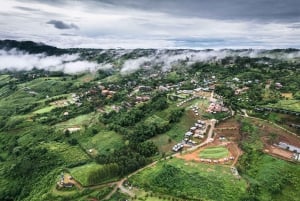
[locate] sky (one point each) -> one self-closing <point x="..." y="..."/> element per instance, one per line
<point x="194" y="24"/>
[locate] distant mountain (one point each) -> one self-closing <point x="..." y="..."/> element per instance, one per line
<point x="31" y="47"/>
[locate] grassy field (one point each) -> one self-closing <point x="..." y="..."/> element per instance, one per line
<point x="190" y="180"/>
<point x="81" y="173"/>
<point x="164" y="143"/>
<point x="103" y="142"/>
<point x="69" y="154"/>
<point x="291" y="104"/>
<point x="44" y="110"/>
<point x="178" y="130"/>
<point x="214" y="153"/>
<point x="80" y="120"/>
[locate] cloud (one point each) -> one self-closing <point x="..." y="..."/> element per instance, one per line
<point x="27" y="9"/>
<point x="166" y="59"/>
<point x="68" y="63"/>
<point x="62" y="25"/>
<point x="257" y="10"/>
<point x="197" y="24"/>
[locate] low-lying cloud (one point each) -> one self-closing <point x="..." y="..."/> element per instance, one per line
<point x="67" y="63"/>
<point x="166" y="58"/>
<point x="62" y="25"/>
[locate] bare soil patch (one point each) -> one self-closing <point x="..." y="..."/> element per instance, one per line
<point x="278" y="152"/>
<point x="266" y="129"/>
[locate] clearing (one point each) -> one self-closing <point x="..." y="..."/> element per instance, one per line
<point x="214" y="153"/>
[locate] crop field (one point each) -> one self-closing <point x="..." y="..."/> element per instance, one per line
<point x="69" y="154"/>
<point x="214" y="153"/>
<point x="81" y="173"/>
<point x="190" y="180"/>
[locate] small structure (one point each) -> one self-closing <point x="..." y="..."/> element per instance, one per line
<point x="188" y="134"/>
<point x="177" y="147"/>
<point x="288" y="147"/>
<point x="62" y="184"/>
<point x="296" y="156"/>
<point x="193" y="128"/>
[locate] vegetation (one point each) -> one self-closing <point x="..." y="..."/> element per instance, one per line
<point x="269" y="178"/>
<point x="193" y="181"/>
<point x="102" y="127"/>
<point x="214" y="153"/>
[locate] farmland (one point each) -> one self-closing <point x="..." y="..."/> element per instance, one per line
<point x="81" y="173"/>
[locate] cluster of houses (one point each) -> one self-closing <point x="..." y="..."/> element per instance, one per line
<point x="196" y="131"/>
<point x="216" y="106"/>
<point x="186" y="100"/>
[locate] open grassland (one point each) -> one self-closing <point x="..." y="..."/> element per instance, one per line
<point x="190" y="180"/>
<point x="178" y="130"/>
<point x="103" y="142"/>
<point x="164" y="143"/>
<point x="214" y="153"/>
<point x="78" y="121"/>
<point x="44" y="110"/>
<point x="82" y="173"/>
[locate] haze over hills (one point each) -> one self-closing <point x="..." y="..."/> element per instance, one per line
<point x="27" y="55"/>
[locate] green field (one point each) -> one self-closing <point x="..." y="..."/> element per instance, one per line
<point x="191" y="180"/>
<point x="44" y="110"/>
<point x="103" y="142"/>
<point x="178" y="130"/>
<point x="69" y="154"/>
<point x="81" y="173"/>
<point x="293" y="105"/>
<point x="80" y="120"/>
<point x="214" y="153"/>
<point x="164" y="143"/>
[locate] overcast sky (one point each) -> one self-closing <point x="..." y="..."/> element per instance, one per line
<point x="198" y="24"/>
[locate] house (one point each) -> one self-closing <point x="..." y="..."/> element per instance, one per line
<point x="188" y="134"/>
<point x="278" y="85"/>
<point x="193" y="128"/>
<point x="289" y="147"/>
<point x="162" y="88"/>
<point x="74" y="129"/>
<point x="242" y="90"/>
<point x="177" y="147"/>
